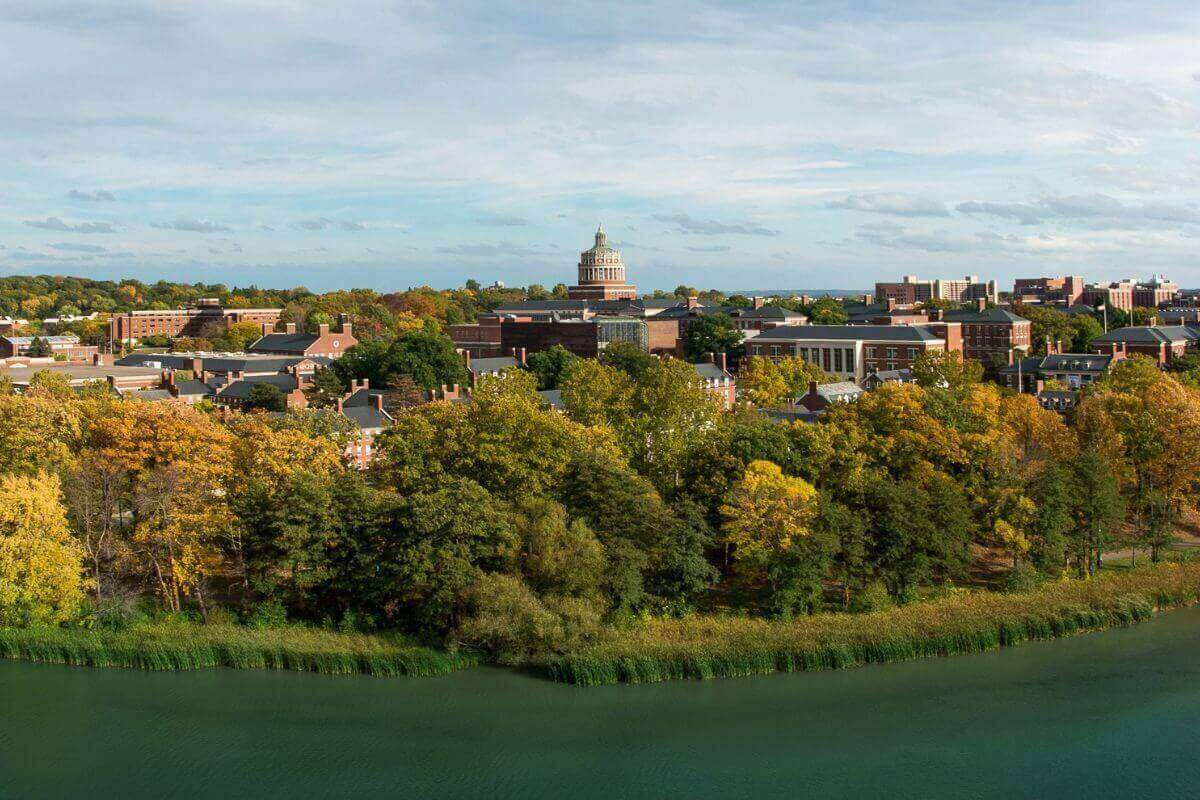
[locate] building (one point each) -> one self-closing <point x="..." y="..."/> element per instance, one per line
<point x="1065" y="291"/>
<point x="763" y="316"/>
<point x="989" y="333"/>
<point x="78" y="375"/>
<point x="204" y="366"/>
<point x="601" y="274"/>
<point x="718" y="381"/>
<point x="363" y="406"/>
<point x="584" y="338"/>
<point x="130" y="326"/>
<point x="849" y="351"/>
<point x="66" y="347"/>
<point x="876" y="379"/>
<point x="820" y="397"/>
<point x="911" y="290"/>
<point x="1073" y="370"/>
<point x="1161" y="343"/>
<point x="322" y="343"/>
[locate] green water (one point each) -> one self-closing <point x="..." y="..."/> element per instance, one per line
<point x="1113" y="714"/>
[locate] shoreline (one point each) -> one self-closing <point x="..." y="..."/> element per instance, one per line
<point x="699" y="647"/>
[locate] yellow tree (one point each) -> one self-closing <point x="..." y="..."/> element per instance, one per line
<point x="178" y="461"/>
<point x="41" y="566"/>
<point x="38" y="431"/>
<point x="766" y="511"/>
<point x="766" y="383"/>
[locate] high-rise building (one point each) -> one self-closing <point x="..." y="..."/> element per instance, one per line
<point x="912" y="290"/>
<point x="1066" y="291"/>
<point x="601" y="274"/>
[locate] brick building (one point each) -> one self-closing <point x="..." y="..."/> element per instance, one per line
<point x="1064" y="291"/>
<point x="1161" y="343"/>
<point x="718" y="381"/>
<point x="849" y="351"/>
<point x="323" y="343"/>
<point x="66" y="346"/>
<point x="584" y="338"/>
<point x="911" y="290"/>
<point x="990" y="332"/>
<point x="130" y="326"/>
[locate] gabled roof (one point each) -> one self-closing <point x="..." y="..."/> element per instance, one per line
<point x="189" y="387"/>
<point x="711" y="372"/>
<point x="1075" y="362"/>
<point x="543" y="306"/>
<point x="284" y="343"/>
<point x="888" y="333"/>
<point x="839" y="390"/>
<point x="767" y="312"/>
<point x="222" y="362"/>
<point x="362" y="398"/>
<point x="366" y="417"/>
<point x="241" y="389"/>
<point x="993" y="315"/>
<point x="892" y="375"/>
<point x="1169" y="334"/>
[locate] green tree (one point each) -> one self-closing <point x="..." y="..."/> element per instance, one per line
<point x="550" y="366"/>
<point x="326" y="388"/>
<point x="711" y="333"/>
<point x="627" y="357"/>
<point x="266" y="396"/>
<point x="1099" y="508"/>
<point x="827" y="311"/>
<point x="39" y="347"/>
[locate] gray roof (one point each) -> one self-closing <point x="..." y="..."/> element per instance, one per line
<point x="886" y="333"/>
<point x="151" y="395"/>
<point x="993" y="315"/>
<point x="241" y="389"/>
<point x="188" y="387"/>
<point x="1075" y="362"/>
<point x="543" y="306"/>
<point x="26" y="340"/>
<point x="767" y="312"/>
<point x="887" y="375"/>
<point x="552" y="397"/>
<point x="224" y="362"/>
<point x="481" y="366"/>
<point x="362" y="398"/>
<point x="839" y="389"/>
<point x="710" y="372"/>
<point x="76" y="372"/>
<point x="367" y="416"/>
<point x="284" y="343"/>
<point x="1149" y="335"/>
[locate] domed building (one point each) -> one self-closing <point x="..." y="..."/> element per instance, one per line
<point x="601" y="274"/>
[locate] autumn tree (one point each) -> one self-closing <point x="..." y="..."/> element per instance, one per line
<point x="41" y="565"/>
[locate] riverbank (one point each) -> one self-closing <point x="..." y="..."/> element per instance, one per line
<point x="719" y="647"/>
<point x="186" y="646"/>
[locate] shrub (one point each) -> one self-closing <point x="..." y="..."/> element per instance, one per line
<point x="270" y="614"/>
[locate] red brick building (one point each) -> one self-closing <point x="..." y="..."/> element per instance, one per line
<point x="66" y="347"/>
<point x="130" y="326"/>
<point x="1161" y="343"/>
<point x="1065" y="291"/>
<point x="989" y="333"/>
<point x="848" y="351"/>
<point x="323" y="343"/>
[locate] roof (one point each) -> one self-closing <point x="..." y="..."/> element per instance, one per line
<point x="284" y="342"/>
<point x="362" y="398"/>
<point x="993" y="315"/>
<point x="241" y="389"/>
<point x="552" y="398"/>
<point x="74" y="372"/>
<point x="767" y="312"/>
<point x="1149" y="335"/>
<point x="839" y="389"/>
<point x="887" y="375"/>
<point x="544" y="306"/>
<point x="26" y="340"/>
<point x="1075" y="362"/>
<point x="151" y="395"/>
<point x="888" y="333"/>
<point x="1079" y="308"/>
<point x="188" y="387"/>
<point x="367" y="416"/>
<point x="483" y="366"/>
<point x="711" y="372"/>
<point x="220" y="362"/>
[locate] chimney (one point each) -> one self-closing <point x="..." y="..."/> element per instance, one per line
<point x="981" y="303"/>
<point x="1011" y="356"/>
<point x="693" y="302"/>
<point x="812" y="388"/>
<point x="1049" y="347"/>
<point x="338" y="404"/>
<point x="721" y="363"/>
<point x="521" y="356"/>
<point x="759" y="302"/>
<point x="466" y="356"/>
<point x="344" y="323"/>
<point x="289" y="327"/>
<point x="1038" y="386"/>
<point x="377" y="402"/>
<point x="322" y="330"/>
<point x="266" y="328"/>
<point x="198" y="368"/>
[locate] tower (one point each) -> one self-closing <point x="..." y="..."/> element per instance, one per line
<point x="601" y="274"/>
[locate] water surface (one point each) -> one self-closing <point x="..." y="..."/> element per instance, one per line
<point x="1106" y="715"/>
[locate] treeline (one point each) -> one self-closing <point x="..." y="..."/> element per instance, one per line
<point x="506" y="525"/>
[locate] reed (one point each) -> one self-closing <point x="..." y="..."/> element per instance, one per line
<point x="180" y="646"/>
<point x="715" y="646"/>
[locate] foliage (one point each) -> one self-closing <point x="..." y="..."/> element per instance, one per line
<point x="551" y="366"/>
<point x="266" y="397"/>
<point x="708" y="334"/>
<point x="766" y="383"/>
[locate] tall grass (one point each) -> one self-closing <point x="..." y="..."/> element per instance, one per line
<point x="178" y="646"/>
<point x="711" y="646"/>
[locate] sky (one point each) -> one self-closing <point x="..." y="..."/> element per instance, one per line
<point x="731" y="145"/>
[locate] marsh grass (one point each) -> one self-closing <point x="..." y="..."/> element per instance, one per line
<point x="185" y="646"/>
<point x="714" y="646"/>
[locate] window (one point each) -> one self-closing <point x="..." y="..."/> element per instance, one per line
<point x="871" y="351"/>
<point x="912" y="353"/>
<point x="837" y="360"/>
<point x="849" y="359"/>
<point x="825" y="358"/>
<point x="891" y="353"/>
<point x="774" y="349"/>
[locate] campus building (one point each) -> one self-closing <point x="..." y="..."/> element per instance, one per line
<point x="129" y="326"/>
<point x="601" y="274"/>
<point x="849" y="351"/>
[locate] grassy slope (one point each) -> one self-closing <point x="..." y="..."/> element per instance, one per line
<point x="710" y="646"/>
<point x="187" y="646"/>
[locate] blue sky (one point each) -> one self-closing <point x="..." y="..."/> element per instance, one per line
<point x="751" y="145"/>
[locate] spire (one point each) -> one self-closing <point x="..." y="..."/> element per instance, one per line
<point x="600" y="236"/>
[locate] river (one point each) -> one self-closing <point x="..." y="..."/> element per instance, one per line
<point x="1105" y="715"/>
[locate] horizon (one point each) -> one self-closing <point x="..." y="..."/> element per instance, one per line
<point x="381" y="148"/>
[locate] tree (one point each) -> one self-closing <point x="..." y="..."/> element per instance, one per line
<point x="937" y="369"/>
<point x="39" y="348"/>
<point x="766" y="511"/>
<point x="1099" y="508"/>
<point x="551" y="366"/>
<point x="846" y="530"/>
<point x="326" y="388"/>
<point x="626" y="357"/>
<point x="710" y="333"/>
<point x="266" y="396"/>
<point x="41" y="566"/>
<point x="767" y="383"/>
<point x="918" y="531"/>
<point x="557" y="556"/>
<point x="427" y="357"/>
<point x="827" y="311"/>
